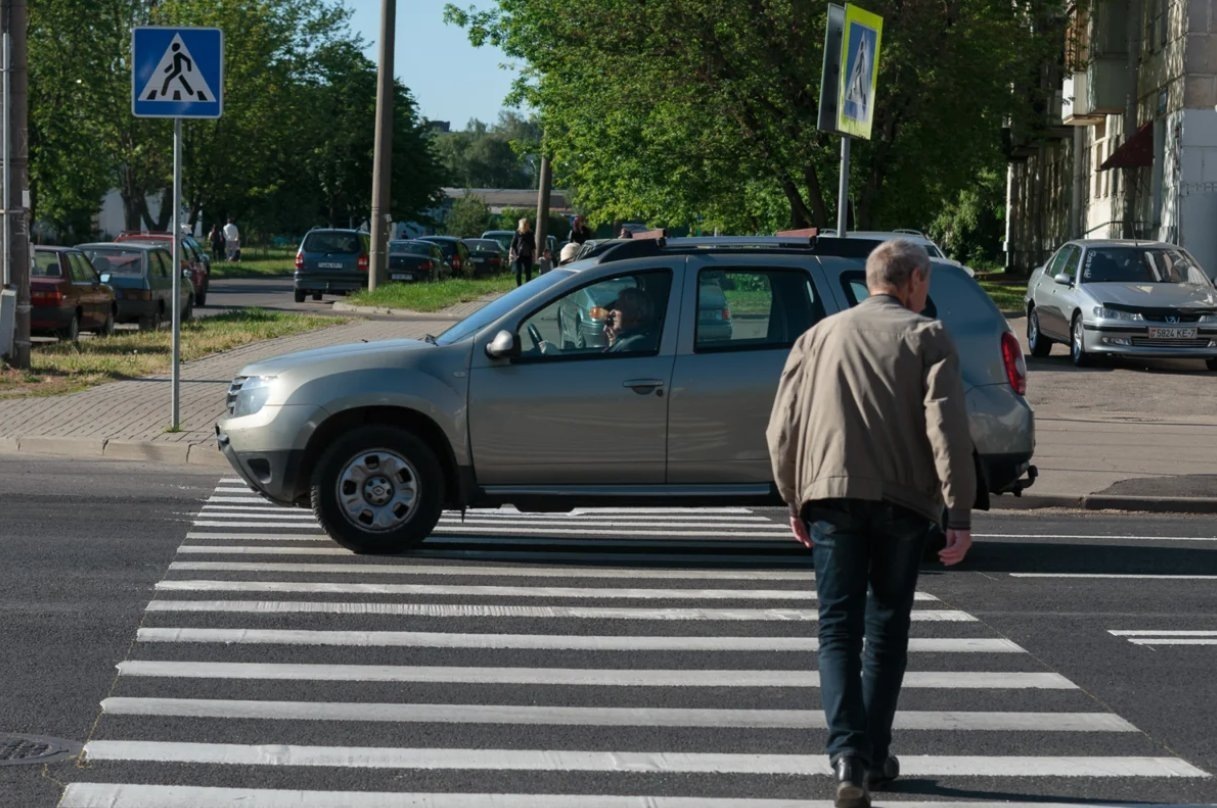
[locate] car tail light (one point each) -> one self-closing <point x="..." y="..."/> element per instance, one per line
<point x="425" y="266"/>
<point x="1016" y="365"/>
<point x="299" y="260"/>
<point x="362" y="263"/>
<point x="47" y="297"/>
<point x="494" y="259"/>
<point x="726" y="313"/>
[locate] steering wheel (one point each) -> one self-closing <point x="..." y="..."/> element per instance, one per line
<point x="535" y="335"/>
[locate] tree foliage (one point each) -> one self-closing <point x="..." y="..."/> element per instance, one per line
<point x="469" y="217"/>
<point x="501" y="155"/>
<point x="704" y="112"/>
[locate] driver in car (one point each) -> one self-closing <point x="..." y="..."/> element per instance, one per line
<point x="630" y="327"/>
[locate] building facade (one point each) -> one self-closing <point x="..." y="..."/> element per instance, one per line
<point x="1131" y="147"/>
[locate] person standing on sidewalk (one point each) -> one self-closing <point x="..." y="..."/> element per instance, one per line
<point x="868" y="437"/>
<point x="232" y="240"/>
<point x="523" y="251"/>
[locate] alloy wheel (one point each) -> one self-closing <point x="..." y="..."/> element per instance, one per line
<point x="377" y="490"/>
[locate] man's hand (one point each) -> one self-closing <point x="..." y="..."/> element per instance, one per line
<point x="958" y="544"/>
<point x="799" y="528"/>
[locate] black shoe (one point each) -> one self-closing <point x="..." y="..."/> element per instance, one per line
<point x="851" y="783"/>
<point x="882" y="777"/>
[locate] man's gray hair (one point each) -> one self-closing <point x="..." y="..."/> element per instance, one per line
<point x="892" y="263"/>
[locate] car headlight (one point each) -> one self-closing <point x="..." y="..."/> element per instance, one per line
<point x="251" y="395"/>
<point x="1104" y="313"/>
<point x="1208" y="319"/>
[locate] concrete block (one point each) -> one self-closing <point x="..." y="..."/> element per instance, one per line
<point x="76" y="447"/>
<point x="147" y="451"/>
<point x="206" y="454"/>
<point x="1200" y="92"/>
<point x="9" y="446"/>
<point x="1199" y="17"/>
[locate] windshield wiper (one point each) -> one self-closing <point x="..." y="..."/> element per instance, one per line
<point x="431" y="339"/>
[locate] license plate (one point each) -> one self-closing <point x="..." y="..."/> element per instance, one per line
<point x="1172" y="333"/>
<point x="328" y="265"/>
<point x="403" y="276"/>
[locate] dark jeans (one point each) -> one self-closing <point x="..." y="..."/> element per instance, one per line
<point x="861" y="545"/>
<point x="523" y="268"/>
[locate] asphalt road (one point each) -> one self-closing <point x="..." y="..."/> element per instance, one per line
<point x="519" y="667"/>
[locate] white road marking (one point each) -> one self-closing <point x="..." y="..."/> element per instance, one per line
<point x="759" y="523"/>
<point x="1130" y="576"/>
<point x="644" y="762"/>
<point x="456" y="610"/>
<point x="583" y="677"/>
<point x="498" y="538"/>
<point x="118" y="795"/>
<point x="324" y="547"/>
<point x="683" y="530"/>
<point x="408" y="568"/>
<point x="1161" y="633"/>
<point x="549" y="642"/>
<point x="218" y="523"/>
<point x="606" y="593"/>
<point x="599" y="716"/>
<point x="1088" y="536"/>
<point x="320" y="538"/>
<point x="1177" y="641"/>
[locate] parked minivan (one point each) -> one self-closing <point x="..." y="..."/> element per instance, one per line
<point x="331" y="261"/>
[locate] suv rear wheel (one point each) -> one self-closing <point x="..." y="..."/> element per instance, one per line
<point x="299" y="295"/>
<point x="377" y="489"/>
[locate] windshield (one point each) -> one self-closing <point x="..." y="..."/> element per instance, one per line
<point x="497" y="308"/>
<point x="409" y="248"/>
<point x="117" y="262"/>
<point x="1141" y="265"/>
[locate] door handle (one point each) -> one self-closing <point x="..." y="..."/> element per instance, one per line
<point x="644" y="386"/>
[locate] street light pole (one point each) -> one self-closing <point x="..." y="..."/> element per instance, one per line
<point x="18" y="243"/>
<point x="382" y="155"/>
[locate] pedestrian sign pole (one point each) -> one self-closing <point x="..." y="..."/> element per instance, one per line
<point x="177" y="73"/>
<point x="847" y="86"/>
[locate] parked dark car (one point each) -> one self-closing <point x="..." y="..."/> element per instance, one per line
<point x="413" y="260"/>
<point x="141" y="275"/>
<point x="331" y="261"/>
<point x="455" y="251"/>
<point x="193" y="258"/>
<point x="487" y="255"/>
<point x="68" y="296"/>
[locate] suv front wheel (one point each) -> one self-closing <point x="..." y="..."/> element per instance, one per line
<point x="378" y="489"/>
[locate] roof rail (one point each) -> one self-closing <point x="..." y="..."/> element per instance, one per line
<point x="621" y="249"/>
<point x="843" y="247"/>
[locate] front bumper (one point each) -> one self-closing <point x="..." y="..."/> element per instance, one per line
<point x="267" y="449"/>
<point x="1125" y="338"/>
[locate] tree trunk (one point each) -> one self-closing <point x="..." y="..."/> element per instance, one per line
<point x="800" y="215"/>
<point x="815" y="192"/>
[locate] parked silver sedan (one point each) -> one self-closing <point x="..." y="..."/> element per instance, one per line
<point x="1142" y="298"/>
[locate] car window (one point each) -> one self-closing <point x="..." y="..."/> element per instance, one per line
<point x="46" y="265"/>
<point x="492" y="311"/>
<point x="753" y="308"/>
<point x="1063" y="261"/>
<point x="82" y="270"/>
<point x="161" y="264"/>
<point x="126" y="263"/>
<point x="328" y="242"/>
<point x="854" y="284"/>
<point x="618" y="316"/>
<point x="1140" y="265"/>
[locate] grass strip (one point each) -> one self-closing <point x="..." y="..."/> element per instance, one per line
<point x="271" y="262"/>
<point x="1007" y="296"/>
<point x="66" y="367"/>
<point x="433" y="296"/>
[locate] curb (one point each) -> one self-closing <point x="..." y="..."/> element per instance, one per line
<point x="202" y="454"/>
<point x="1108" y="502"/>
<point x="386" y="311"/>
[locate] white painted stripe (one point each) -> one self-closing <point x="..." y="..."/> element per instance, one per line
<point x="498" y="611"/>
<point x="1177" y="641"/>
<point x="435" y="541"/>
<point x="236" y="523"/>
<point x="781" y="532"/>
<point x="1129" y="576"/>
<point x="319" y="538"/>
<point x="247" y="499"/>
<point x="549" y="642"/>
<point x="1149" y="632"/>
<point x="323" y="547"/>
<point x="642" y="762"/>
<point x="469" y="590"/>
<point x="241" y="516"/>
<point x="1091" y="536"/>
<point x="410" y="568"/>
<point x="118" y="795"/>
<point x="589" y="677"/>
<point x="598" y="716"/>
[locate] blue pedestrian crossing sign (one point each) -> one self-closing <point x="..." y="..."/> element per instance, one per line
<point x="859" y="73"/>
<point x="177" y="72"/>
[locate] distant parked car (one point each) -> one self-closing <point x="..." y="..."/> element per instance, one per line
<point x="455" y="252"/>
<point x="503" y="237"/>
<point x="413" y="260"/>
<point x="194" y="258"/>
<point x="331" y="261"/>
<point x="68" y="296"/>
<point x="1132" y="298"/>
<point x="487" y="255"/>
<point x="141" y="275"/>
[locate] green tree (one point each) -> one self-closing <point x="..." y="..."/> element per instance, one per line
<point x="468" y="218"/>
<point x="666" y="110"/>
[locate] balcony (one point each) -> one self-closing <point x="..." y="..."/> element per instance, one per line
<point x="1076" y="109"/>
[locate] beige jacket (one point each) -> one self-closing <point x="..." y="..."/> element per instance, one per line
<point x="871" y="406"/>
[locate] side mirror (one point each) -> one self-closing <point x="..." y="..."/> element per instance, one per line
<point x="1063" y="279"/>
<point x="186" y="274"/>
<point x="503" y="346"/>
<point x="105" y="277"/>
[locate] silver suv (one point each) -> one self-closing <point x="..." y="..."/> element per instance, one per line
<point x="506" y="407"/>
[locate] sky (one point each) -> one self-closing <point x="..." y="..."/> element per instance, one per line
<point x="451" y="80"/>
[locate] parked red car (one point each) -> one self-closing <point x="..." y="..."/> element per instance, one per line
<point x="193" y="258"/>
<point x="67" y="295"/>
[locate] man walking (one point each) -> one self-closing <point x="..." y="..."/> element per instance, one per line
<point x="232" y="240"/>
<point x="868" y="437"/>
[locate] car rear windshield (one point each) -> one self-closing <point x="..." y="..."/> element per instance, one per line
<point x="46" y="265"/>
<point x="1140" y="265"/>
<point x="484" y="245"/>
<point x="409" y="248"/>
<point x="117" y="262"/>
<point x="344" y="243"/>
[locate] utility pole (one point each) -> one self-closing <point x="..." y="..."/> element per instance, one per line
<point x="18" y="244"/>
<point x="543" y="205"/>
<point x="382" y="156"/>
<point x="1131" y="173"/>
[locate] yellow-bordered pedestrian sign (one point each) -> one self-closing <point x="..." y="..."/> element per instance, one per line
<point x="859" y="73"/>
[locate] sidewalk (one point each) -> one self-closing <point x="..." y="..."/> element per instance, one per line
<point x="1156" y="461"/>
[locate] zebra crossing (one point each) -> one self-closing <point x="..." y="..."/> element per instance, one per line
<point x="609" y="658"/>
